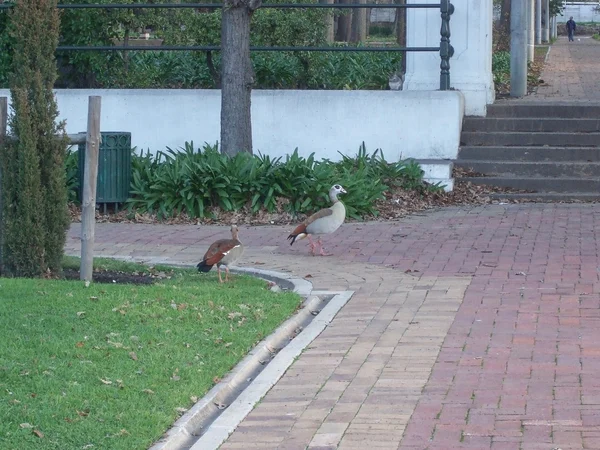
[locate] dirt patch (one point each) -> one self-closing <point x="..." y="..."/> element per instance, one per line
<point x="118" y="277"/>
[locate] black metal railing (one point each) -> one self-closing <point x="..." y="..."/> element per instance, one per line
<point x="445" y="49"/>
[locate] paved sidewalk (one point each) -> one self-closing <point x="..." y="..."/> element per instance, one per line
<point x="572" y="72"/>
<point x="470" y="328"/>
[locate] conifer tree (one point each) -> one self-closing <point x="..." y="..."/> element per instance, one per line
<point x="35" y="214"/>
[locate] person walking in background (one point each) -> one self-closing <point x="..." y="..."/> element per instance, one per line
<point x="571" y="25"/>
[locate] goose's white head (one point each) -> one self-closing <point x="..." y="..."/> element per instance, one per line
<point x="336" y="190"/>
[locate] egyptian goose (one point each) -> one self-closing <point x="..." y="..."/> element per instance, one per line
<point x="324" y="221"/>
<point x="222" y="253"/>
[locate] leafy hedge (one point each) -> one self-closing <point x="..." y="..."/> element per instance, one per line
<point x="194" y="181"/>
<point x="182" y="69"/>
<point x="501" y="67"/>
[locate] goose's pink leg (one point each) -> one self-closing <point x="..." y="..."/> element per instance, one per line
<point x="311" y="245"/>
<point x="321" y="249"/>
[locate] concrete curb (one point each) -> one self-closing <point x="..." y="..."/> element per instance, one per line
<point x="219" y="412"/>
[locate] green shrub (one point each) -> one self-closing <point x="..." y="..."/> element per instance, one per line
<point x="501" y="66"/>
<point x="35" y="215"/>
<point x="72" y="174"/>
<point x="195" y="180"/>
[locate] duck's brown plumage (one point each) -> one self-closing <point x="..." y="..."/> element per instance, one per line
<point x="301" y="231"/>
<point x="222" y="253"/>
<point x="325" y="221"/>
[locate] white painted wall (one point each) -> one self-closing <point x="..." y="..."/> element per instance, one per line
<point x="423" y="125"/>
<point x="581" y="12"/>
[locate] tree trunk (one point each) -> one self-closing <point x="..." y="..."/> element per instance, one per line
<point x="400" y="28"/>
<point x="359" y="24"/>
<point x="329" y="21"/>
<point x="505" y="16"/>
<point x="237" y="76"/>
<point x="344" y="24"/>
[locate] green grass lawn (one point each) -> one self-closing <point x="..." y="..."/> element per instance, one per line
<point x="112" y="366"/>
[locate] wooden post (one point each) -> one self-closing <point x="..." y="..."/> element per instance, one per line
<point x="3" y="122"/>
<point x="90" y="177"/>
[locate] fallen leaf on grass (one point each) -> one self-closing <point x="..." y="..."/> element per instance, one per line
<point x="105" y="381"/>
<point x="80" y="313"/>
<point x="80" y="344"/>
<point x="38" y="433"/>
<point x="133" y="356"/>
<point x="26" y="425"/>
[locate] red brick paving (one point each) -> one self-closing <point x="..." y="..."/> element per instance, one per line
<point x="520" y="364"/>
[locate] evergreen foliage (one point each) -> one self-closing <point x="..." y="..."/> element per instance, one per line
<point x="35" y="214"/>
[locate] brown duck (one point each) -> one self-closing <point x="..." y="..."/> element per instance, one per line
<point x="222" y="253"/>
<point x="325" y="221"/>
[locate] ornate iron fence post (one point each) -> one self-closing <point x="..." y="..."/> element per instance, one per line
<point x="446" y="50"/>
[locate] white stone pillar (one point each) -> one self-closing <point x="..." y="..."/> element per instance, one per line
<point x="546" y="21"/>
<point x="471" y="64"/>
<point x="530" y="30"/>
<point x="538" y="22"/>
<point x="554" y="27"/>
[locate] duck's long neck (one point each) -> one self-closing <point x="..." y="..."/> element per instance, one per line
<point x="333" y="197"/>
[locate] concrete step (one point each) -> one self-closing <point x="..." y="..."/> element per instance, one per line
<point x="549" y="196"/>
<point x="539" y="184"/>
<point x="546" y="153"/>
<point x="549" y="125"/>
<point x="512" y="169"/>
<point x="515" y="138"/>
<point x="437" y="171"/>
<point x="564" y="110"/>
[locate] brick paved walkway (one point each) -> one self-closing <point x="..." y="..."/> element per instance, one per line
<point x="470" y="328"/>
<point x="572" y="72"/>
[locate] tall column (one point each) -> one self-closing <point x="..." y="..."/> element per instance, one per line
<point x="554" y="27"/>
<point x="538" y="22"/>
<point x="530" y="29"/>
<point x="471" y="64"/>
<point x="546" y="20"/>
<point x="518" y="48"/>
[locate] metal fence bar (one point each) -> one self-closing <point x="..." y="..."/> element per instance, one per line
<point x="220" y="5"/>
<point x="210" y="48"/>
<point x="445" y="49"/>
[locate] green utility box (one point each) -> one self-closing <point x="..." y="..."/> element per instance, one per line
<point x="114" y="168"/>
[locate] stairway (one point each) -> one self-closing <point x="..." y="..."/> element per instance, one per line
<point x="551" y="150"/>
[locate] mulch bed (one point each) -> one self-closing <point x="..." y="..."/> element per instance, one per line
<point x="119" y="277"/>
